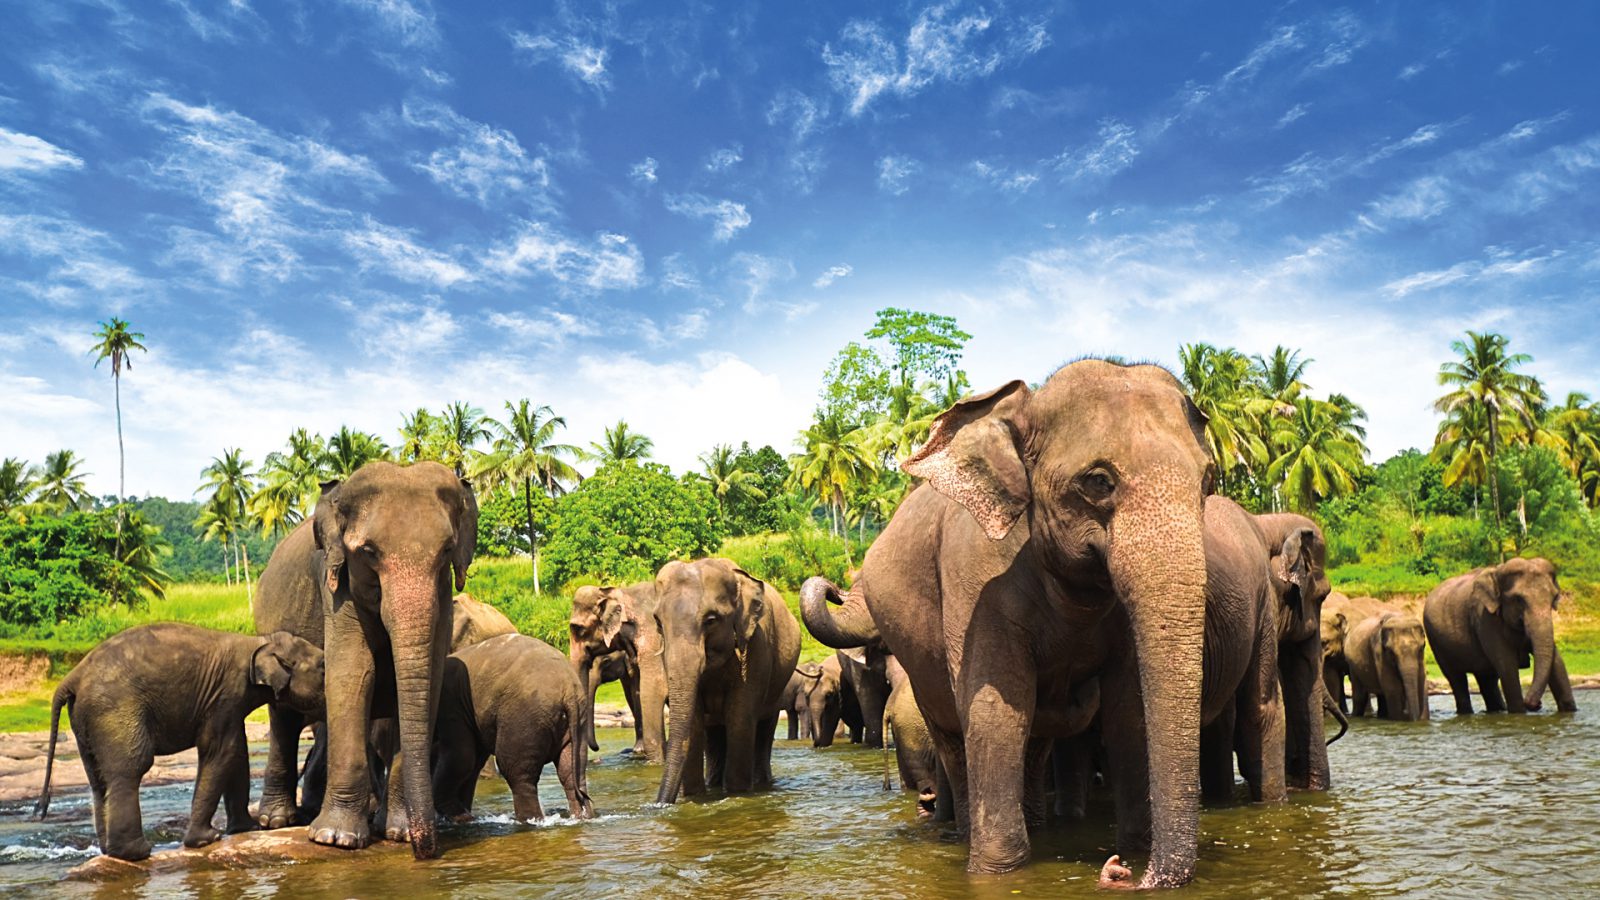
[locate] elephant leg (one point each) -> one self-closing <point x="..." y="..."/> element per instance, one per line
<point x="951" y="803"/>
<point x="694" y="761"/>
<point x="739" y="749"/>
<point x="766" y="733"/>
<point x="1333" y="681"/>
<point x="453" y="759"/>
<point x="1073" y="759"/>
<point x="1359" y="695"/>
<point x="97" y="787"/>
<point x="872" y="695"/>
<point x="1216" y="756"/>
<point x="794" y="724"/>
<point x="997" y="720"/>
<point x="124" y="824"/>
<point x="1299" y="665"/>
<point x="277" y="809"/>
<point x="343" y="821"/>
<point x="716" y="755"/>
<point x="1489" y="687"/>
<point x="630" y="693"/>
<point x="1561" y="686"/>
<point x="652" y="704"/>
<point x="314" y="774"/>
<point x="1123" y="732"/>
<point x="1036" y="772"/>
<point x="1505" y="668"/>
<point x="393" y="820"/>
<point x="523" y="778"/>
<point x="1262" y="723"/>
<point x="1392" y="700"/>
<point x="1460" y="690"/>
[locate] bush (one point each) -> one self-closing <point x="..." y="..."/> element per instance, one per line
<point x="54" y="569"/>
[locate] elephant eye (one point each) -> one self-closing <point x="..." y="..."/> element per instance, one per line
<point x="1097" y="484"/>
<point x="712" y="618"/>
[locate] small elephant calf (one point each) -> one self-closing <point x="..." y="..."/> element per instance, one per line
<point x="161" y="689"/>
<point x="518" y="698"/>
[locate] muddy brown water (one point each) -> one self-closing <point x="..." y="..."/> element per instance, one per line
<point x="1480" y="806"/>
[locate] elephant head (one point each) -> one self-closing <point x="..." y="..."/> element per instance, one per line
<point x="1523" y="593"/>
<point x="397" y="541"/>
<point x="1108" y="466"/>
<point x="1400" y="644"/>
<point x="599" y="615"/>
<point x="292" y="668"/>
<point x="708" y="612"/>
<point x="824" y="702"/>
<point x="1299" y="574"/>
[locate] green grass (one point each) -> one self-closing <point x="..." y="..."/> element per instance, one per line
<point x="1380" y="580"/>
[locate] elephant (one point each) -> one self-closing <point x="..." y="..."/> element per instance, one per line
<point x="863" y="672"/>
<point x="473" y="621"/>
<point x="1385" y="658"/>
<point x="914" y="754"/>
<point x="1339" y="613"/>
<point x="1488" y="623"/>
<point x="793" y="701"/>
<point x="608" y="619"/>
<point x="1056" y="541"/>
<point x="517" y="698"/>
<point x="164" y="688"/>
<point x="393" y="539"/>
<point x="730" y="643"/>
<point x="1241" y="701"/>
<point x="828" y="701"/>
<point x="1298" y="567"/>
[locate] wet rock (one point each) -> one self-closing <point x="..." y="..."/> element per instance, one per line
<point x="240" y="851"/>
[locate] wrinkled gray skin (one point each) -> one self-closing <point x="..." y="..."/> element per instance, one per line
<point x="914" y="753"/>
<point x="1385" y="657"/>
<point x="730" y="644"/>
<point x="1241" y="702"/>
<point x="828" y="702"/>
<point x="160" y="689"/>
<point x="1339" y="614"/>
<point x="606" y="620"/>
<point x="517" y="698"/>
<point x="1057" y="541"/>
<point x="395" y="539"/>
<point x="863" y="672"/>
<point x="473" y="622"/>
<point x="1299" y="574"/>
<point x="1488" y="623"/>
<point x="793" y="701"/>
<point x="615" y="666"/>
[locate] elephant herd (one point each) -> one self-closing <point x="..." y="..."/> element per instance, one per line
<point x="1063" y="601"/>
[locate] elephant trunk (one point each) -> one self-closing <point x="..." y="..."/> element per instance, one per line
<point x="1542" y="634"/>
<point x="1416" y="690"/>
<point x="683" y="696"/>
<point x="1158" y="567"/>
<point x="414" y="632"/>
<point x="850" y="626"/>
<point x="588" y="686"/>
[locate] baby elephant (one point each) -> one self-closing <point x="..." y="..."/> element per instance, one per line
<point x="518" y="698"/>
<point x="160" y="689"/>
<point x="1385" y="658"/>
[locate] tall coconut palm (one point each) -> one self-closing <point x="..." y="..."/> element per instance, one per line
<point x="114" y="341"/>
<point x="727" y="480"/>
<point x="219" y="522"/>
<point x="272" y="509"/>
<point x="833" y="460"/>
<point x="462" y="427"/>
<point x="142" y="550"/>
<point x="1280" y="377"/>
<point x="299" y="471"/>
<point x="621" y="444"/>
<point x="349" y="450"/>
<point x="231" y="481"/>
<point x="525" y="453"/>
<point x="1318" y="455"/>
<point x="60" y="488"/>
<point x="17" y="481"/>
<point x="1574" y="428"/>
<point x="1485" y="377"/>
<point x="1216" y="380"/>
<point x="419" y="437"/>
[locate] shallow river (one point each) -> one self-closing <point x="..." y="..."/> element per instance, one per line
<point x="1480" y="806"/>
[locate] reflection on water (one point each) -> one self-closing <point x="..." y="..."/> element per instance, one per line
<point x="1487" y="805"/>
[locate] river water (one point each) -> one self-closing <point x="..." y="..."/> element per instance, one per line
<point x="1480" y="806"/>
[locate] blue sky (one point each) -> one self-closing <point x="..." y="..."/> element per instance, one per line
<point x="326" y="213"/>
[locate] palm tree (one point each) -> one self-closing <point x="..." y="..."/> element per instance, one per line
<point x="1279" y="377"/>
<point x="300" y="471"/>
<point x="60" y="487"/>
<point x="141" y="553"/>
<point x="461" y="427"/>
<point x="620" y="445"/>
<point x="1574" y="431"/>
<point x="1484" y="378"/>
<point x="525" y="454"/>
<point x="272" y="509"/>
<point x="727" y="479"/>
<point x="115" y="342"/>
<point x="1318" y="453"/>
<point x="230" y="479"/>
<point x="350" y="450"/>
<point x="17" y="481"/>
<point x="1217" y="382"/>
<point x="419" y="437"/>
<point x="218" y="522"/>
<point x="832" y="461"/>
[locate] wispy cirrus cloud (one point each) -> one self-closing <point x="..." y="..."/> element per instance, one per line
<point x="832" y="274"/>
<point x="1113" y="149"/>
<point x="481" y="162"/>
<point x="942" y="45"/>
<point x="26" y="154"/>
<point x="392" y="251"/>
<point x="410" y="22"/>
<point x="727" y="217"/>
<point x="1503" y="264"/>
<point x="644" y="171"/>
<point x="609" y="262"/>
<point x="582" y="60"/>
<point x="894" y="174"/>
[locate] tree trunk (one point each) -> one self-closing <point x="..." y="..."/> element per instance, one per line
<point x="533" y="543"/>
<point x="227" y="573"/>
<point x="1494" y="485"/>
<point x="249" y="593"/>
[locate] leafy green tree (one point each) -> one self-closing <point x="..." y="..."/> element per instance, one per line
<point x="114" y="341"/>
<point x="1318" y="455"/>
<point x="60" y="488"/>
<point x="627" y="520"/>
<point x="1217" y="382"/>
<point x="1548" y="500"/>
<point x="17" y="481"/>
<point x="298" y="472"/>
<point x="1279" y="377"/>
<point x="720" y="468"/>
<point x="855" y="388"/>
<point x="525" y="454"/>
<point x="621" y="444"/>
<point x="143" y="548"/>
<point x="1574" y="428"/>
<point x="1485" y="390"/>
<point x="231" y="482"/>
<point x="420" y="437"/>
<point x="832" y="461"/>
<point x="53" y="569"/>
<point x="745" y="513"/>
<point x="926" y="346"/>
<point x="349" y="450"/>
<point x="461" y="428"/>
<point x="219" y="521"/>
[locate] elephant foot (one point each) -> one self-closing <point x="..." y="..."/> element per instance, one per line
<point x="1568" y="707"/>
<point x="199" y="836"/>
<point x="133" y="852"/>
<point x="278" y="813"/>
<point x="1533" y="704"/>
<point x="396" y="825"/>
<point x="345" y="829"/>
<point x="1115" y="876"/>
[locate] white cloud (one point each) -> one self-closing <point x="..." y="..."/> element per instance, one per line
<point x="724" y="158"/>
<point x="78" y="262"/>
<point x="1412" y="71"/>
<point x="1470" y="272"/>
<point x="25" y="153"/>
<point x="833" y="273"/>
<point x="1112" y="151"/>
<point x="1422" y="199"/>
<point x="894" y="172"/>
<point x="609" y="262"/>
<point x="392" y="252"/>
<point x="727" y="217"/>
<point x="584" y="61"/>
<point x="544" y="326"/>
<point x="411" y="22"/>
<point x="644" y="171"/>
<point x="483" y="162"/>
<point x="801" y="113"/>
<point x="390" y="328"/>
<point x="1293" y="114"/>
<point x="756" y="274"/>
<point x="941" y="45"/>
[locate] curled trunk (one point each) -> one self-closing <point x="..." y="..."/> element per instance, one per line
<point x="850" y="626"/>
<point x="1542" y="634"/>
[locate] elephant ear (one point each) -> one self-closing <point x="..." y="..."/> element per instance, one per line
<point x="810" y="670"/>
<point x="267" y="663"/>
<point x="329" y="531"/>
<point x="974" y="456"/>
<point x="1486" y="591"/>
<point x="466" y="535"/>
<point x="752" y="606"/>
<point x="857" y="654"/>
<point x="613" y="613"/>
<point x="1297" y="561"/>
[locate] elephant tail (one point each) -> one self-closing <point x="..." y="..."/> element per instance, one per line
<point x="580" y="729"/>
<point x="851" y="626"/>
<point x="1333" y="709"/>
<point x="64" y="696"/>
<point x="886" y="783"/>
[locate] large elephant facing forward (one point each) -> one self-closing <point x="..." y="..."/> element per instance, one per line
<point x="395" y="542"/>
<point x="1057" y="540"/>
<point x="730" y="644"/>
<point x="1487" y="623"/>
<point x="606" y="620"/>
